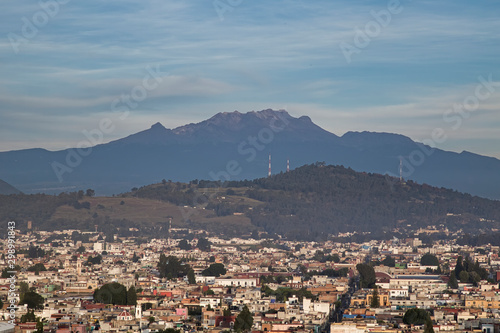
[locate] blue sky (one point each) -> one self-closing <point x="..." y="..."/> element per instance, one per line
<point x="249" y="55"/>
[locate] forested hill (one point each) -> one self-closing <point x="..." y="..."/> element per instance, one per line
<point x="309" y="203"/>
<point x="315" y="200"/>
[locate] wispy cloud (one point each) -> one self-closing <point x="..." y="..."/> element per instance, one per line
<point x="263" y="54"/>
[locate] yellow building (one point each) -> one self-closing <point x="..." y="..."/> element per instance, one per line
<point x="482" y="303"/>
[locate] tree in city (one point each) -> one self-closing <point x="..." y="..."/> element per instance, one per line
<point x="367" y="275"/>
<point x="191" y="277"/>
<point x="131" y="296"/>
<point x="39" y="267"/>
<point x="111" y="293"/>
<point x="35" y="252"/>
<point x="375" y="303"/>
<point x="428" y="328"/>
<point x="429" y="260"/>
<point x="29" y="317"/>
<point x="453" y="282"/>
<point x="23" y="289"/>
<point x="416" y="317"/>
<point x="214" y="270"/>
<point x="459" y="267"/>
<point x="464" y="277"/>
<point x="204" y="244"/>
<point x="32" y="300"/>
<point x="389" y="261"/>
<point x="169" y="330"/>
<point x="97" y="260"/>
<point x="171" y="267"/>
<point x="184" y="245"/>
<point x="244" y="321"/>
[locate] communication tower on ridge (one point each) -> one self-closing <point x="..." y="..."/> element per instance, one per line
<point x="401" y="169"/>
<point x="269" y="173"/>
<point x="288" y="165"/>
<point x="169" y="231"/>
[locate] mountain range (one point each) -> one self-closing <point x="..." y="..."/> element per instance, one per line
<point x="7" y="189"/>
<point x="236" y="146"/>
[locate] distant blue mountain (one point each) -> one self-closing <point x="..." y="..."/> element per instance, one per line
<point x="235" y="146"/>
<point x="6" y="189"/>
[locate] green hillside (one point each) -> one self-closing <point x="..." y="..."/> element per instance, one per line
<point x="308" y="203"/>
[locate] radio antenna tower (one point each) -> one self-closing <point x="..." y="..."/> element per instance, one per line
<point x="401" y="169"/>
<point x="288" y="165"/>
<point x="169" y="231"/>
<point x="269" y="173"/>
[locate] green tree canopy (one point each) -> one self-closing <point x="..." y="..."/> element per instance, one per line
<point x="191" y="277"/>
<point x="35" y="252"/>
<point x="95" y="260"/>
<point x="171" y="267"/>
<point x="429" y="260"/>
<point x="416" y="317"/>
<point x="33" y="300"/>
<point x="244" y="321"/>
<point x="39" y="267"/>
<point x="389" y="261"/>
<point x="464" y="277"/>
<point x="184" y="245"/>
<point x="111" y="293"/>
<point x="452" y="282"/>
<point x="131" y="296"/>
<point x="367" y="275"/>
<point x="204" y="244"/>
<point x="375" y="303"/>
<point x="214" y="270"/>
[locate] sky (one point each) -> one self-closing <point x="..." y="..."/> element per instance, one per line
<point x="429" y="70"/>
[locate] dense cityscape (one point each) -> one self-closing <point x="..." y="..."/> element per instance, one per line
<point x="72" y="281"/>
